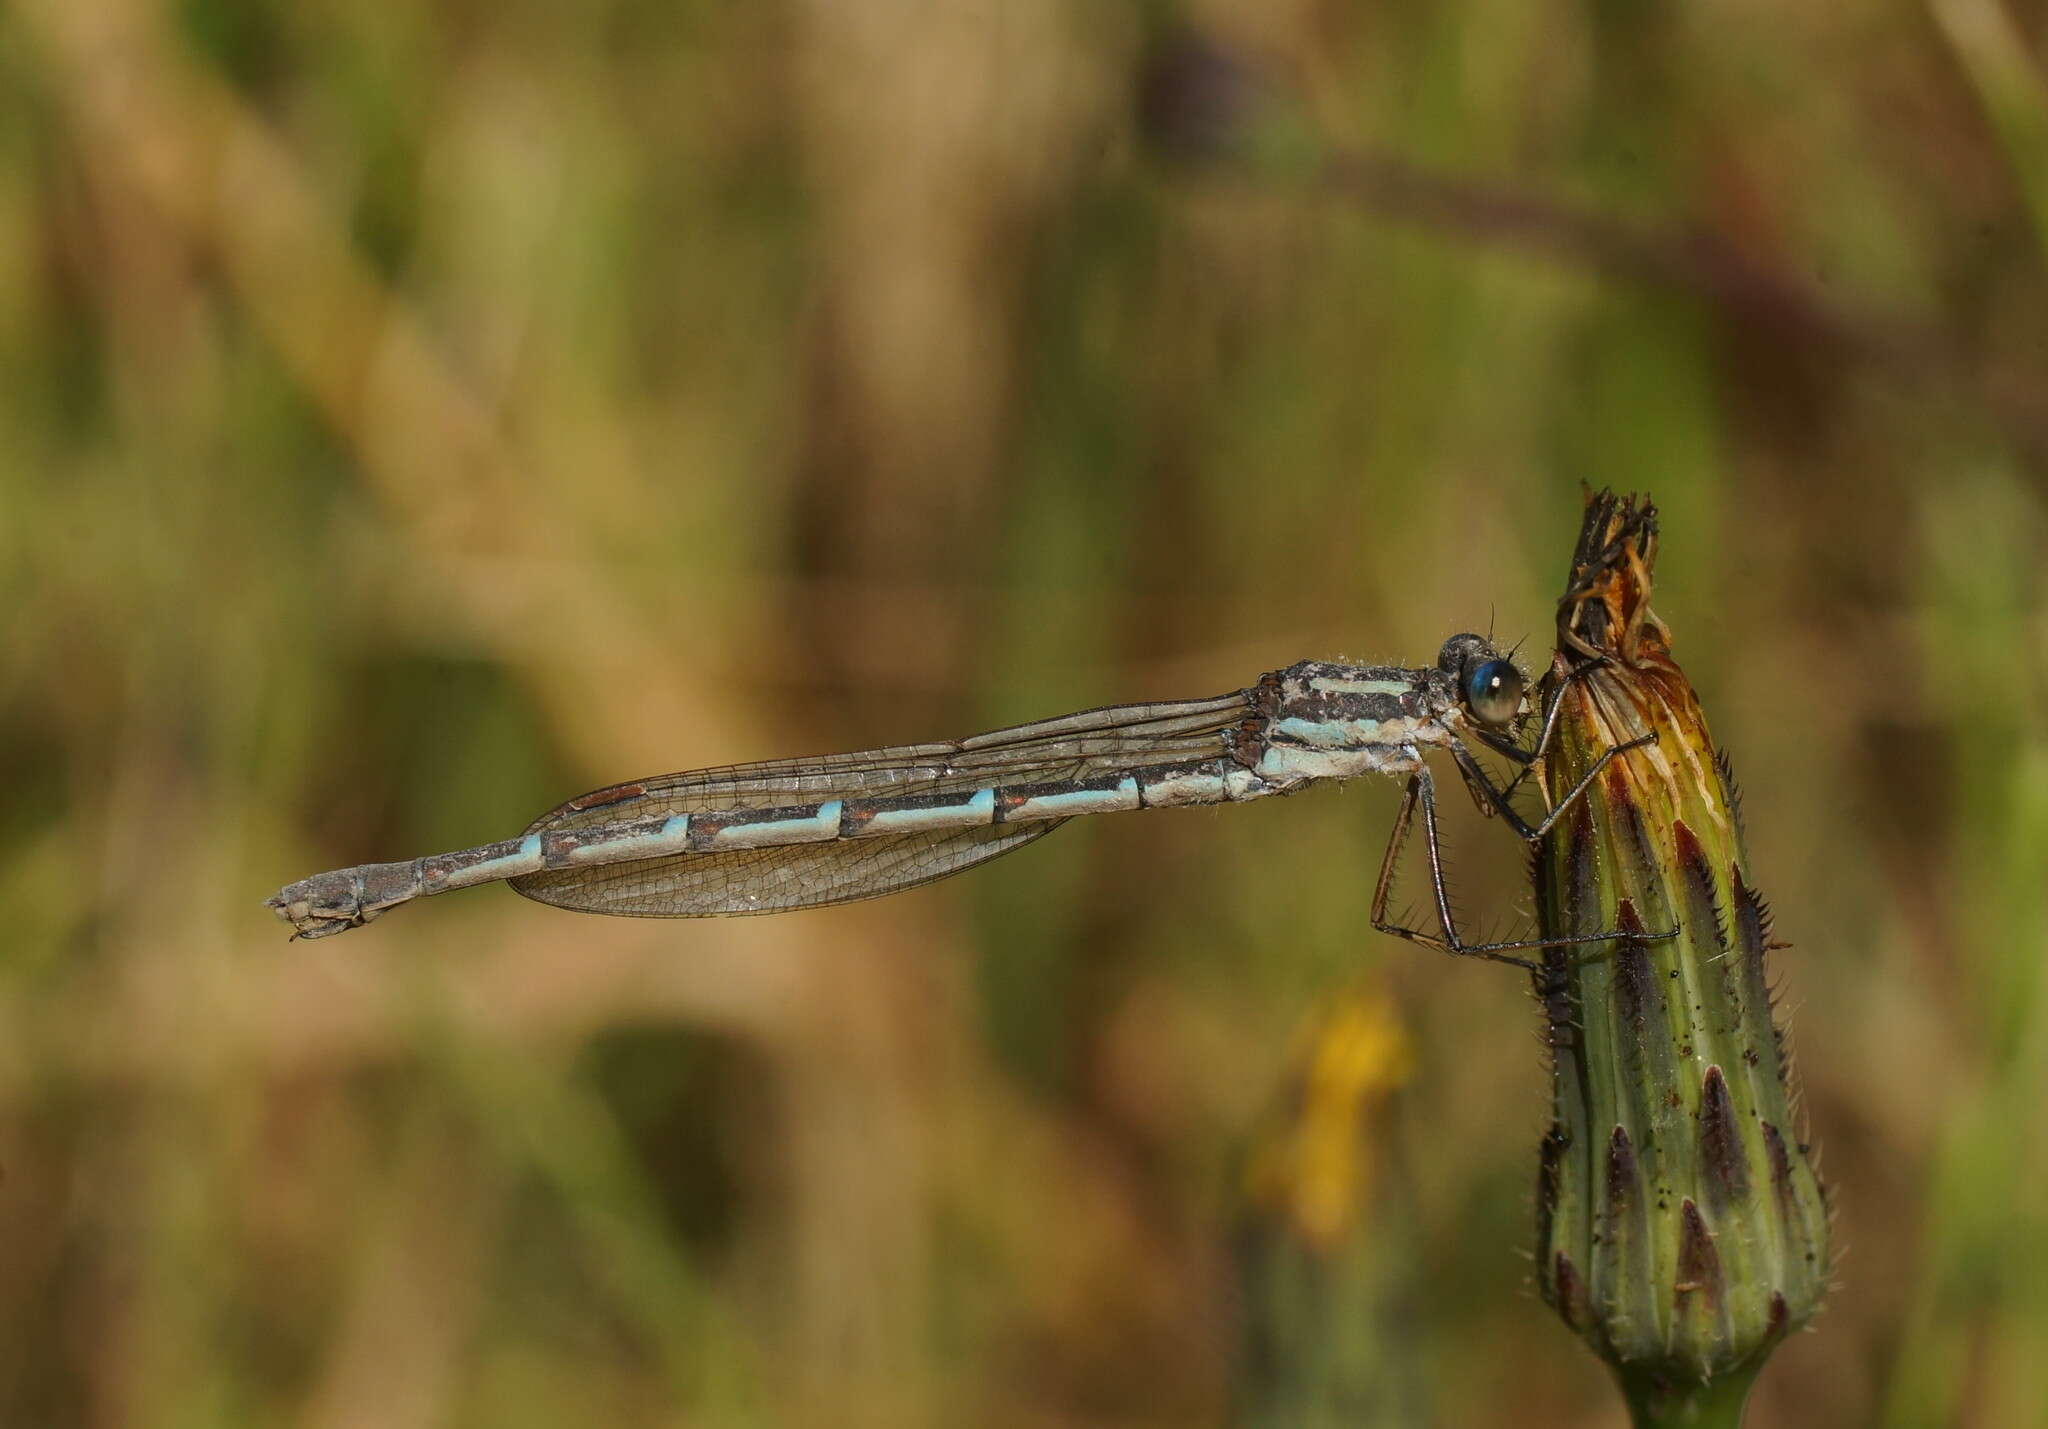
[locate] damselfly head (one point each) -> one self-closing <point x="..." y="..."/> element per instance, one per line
<point x="1489" y="685"/>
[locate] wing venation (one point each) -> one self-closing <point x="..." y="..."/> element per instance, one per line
<point x="775" y="880"/>
<point x="1076" y="746"/>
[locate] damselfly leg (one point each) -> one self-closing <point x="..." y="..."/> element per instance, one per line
<point x="1421" y="791"/>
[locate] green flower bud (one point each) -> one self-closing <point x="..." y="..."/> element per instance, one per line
<point x="1682" y="1230"/>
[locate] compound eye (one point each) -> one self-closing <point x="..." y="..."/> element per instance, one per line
<point x="1493" y="692"/>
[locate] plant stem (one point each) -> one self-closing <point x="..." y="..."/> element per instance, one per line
<point x="1655" y="1402"/>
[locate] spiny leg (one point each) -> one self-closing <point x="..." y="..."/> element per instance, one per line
<point x="1476" y="776"/>
<point x="1422" y="789"/>
<point x="1392" y="857"/>
<point x="1419" y="788"/>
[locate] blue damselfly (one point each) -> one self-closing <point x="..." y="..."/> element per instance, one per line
<point x="802" y="833"/>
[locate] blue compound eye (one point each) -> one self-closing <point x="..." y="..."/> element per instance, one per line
<point x="1493" y="692"/>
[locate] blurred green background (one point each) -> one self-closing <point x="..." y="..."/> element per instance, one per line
<point x="411" y="417"/>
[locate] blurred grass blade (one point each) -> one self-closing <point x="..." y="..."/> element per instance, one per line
<point x="1682" y="1229"/>
<point x="2001" y="67"/>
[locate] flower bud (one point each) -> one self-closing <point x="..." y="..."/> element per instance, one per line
<point x="1682" y="1230"/>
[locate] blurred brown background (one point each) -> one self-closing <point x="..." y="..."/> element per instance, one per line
<point x="412" y="416"/>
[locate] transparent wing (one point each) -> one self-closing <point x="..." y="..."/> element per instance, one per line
<point x="769" y="880"/>
<point x="775" y="880"/>
<point x="1071" y="747"/>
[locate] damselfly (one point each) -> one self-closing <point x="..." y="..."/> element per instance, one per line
<point x="802" y="833"/>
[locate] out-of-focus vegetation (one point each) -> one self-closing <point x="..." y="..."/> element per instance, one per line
<point x="411" y="416"/>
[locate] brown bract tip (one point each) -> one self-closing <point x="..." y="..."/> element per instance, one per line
<point x="1570" y="1290"/>
<point x="1721" y="1149"/>
<point x="1621" y="1171"/>
<point x="1699" y="1264"/>
<point x="1605" y="611"/>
